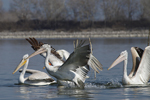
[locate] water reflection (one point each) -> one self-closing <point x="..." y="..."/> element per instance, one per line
<point x="140" y="92"/>
<point x="29" y="92"/>
<point x="78" y="93"/>
<point x="25" y="92"/>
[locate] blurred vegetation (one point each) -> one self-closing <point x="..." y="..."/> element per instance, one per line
<point x="74" y="15"/>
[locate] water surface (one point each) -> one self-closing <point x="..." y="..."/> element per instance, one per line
<point x="107" y="84"/>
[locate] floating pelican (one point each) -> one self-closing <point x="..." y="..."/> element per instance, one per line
<point x="140" y="74"/>
<point x="36" y="77"/>
<point x="69" y="70"/>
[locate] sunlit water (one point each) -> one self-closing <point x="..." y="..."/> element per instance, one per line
<point x="107" y="84"/>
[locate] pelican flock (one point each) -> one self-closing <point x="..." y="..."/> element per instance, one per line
<point x="36" y="77"/>
<point x="73" y="68"/>
<point x="140" y="73"/>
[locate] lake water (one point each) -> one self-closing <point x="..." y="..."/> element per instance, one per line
<point x="107" y="84"/>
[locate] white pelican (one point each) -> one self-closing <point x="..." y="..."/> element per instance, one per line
<point x="36" y="77"/>
<point x="57" y="57"/>
<point x="69" y="70"/>
<point x="139" y="76"/>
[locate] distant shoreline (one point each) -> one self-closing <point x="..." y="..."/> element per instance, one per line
<point x="86" y="34"/>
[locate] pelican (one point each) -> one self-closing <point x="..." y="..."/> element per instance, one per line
<point x="36" y="77"/>
<point x="56" y="57"/>
<point x="68" y="71"/>
<point x="141" y="73"/>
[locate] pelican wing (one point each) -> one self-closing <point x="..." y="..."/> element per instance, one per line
<point x="30" y="71"/>
<point x="39" y="76"/>
<point x="36" y="45"/>
<point x="82" y="72"/>
<point x="79" y="57"/>
<point x="143" y="72"/>
<point x="94" y="64"/>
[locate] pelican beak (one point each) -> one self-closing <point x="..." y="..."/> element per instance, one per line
<point x="20" y="65"/>
<point x="117" y="61"/>
<point x="41" y="50"/>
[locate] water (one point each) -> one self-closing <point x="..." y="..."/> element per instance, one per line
<point x="107" y="84"/>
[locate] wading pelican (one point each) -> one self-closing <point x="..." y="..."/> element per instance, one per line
<point x="69" y="70"/>
<point x="141" y="72"/>
<point x="57" y="58"/>
<point x="36" y="77"/>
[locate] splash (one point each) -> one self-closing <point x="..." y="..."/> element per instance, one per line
<point x="114" y="84"/>
<point x="94" y="86"/>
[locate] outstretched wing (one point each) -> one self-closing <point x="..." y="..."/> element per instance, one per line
<point x="95" y="64"/>
<point x="80" y="57"/>
<point x="36" y="45"/>
<point x="143" y="72"/>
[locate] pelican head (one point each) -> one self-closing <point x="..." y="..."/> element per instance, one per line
<point x="42" y="49"/>
<point x="123" y="56"/>
<point x="23" y="61"/>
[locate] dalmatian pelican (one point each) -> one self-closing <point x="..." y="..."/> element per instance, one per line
<point x="36" y="77"/>
<point x="140" y="73"/>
